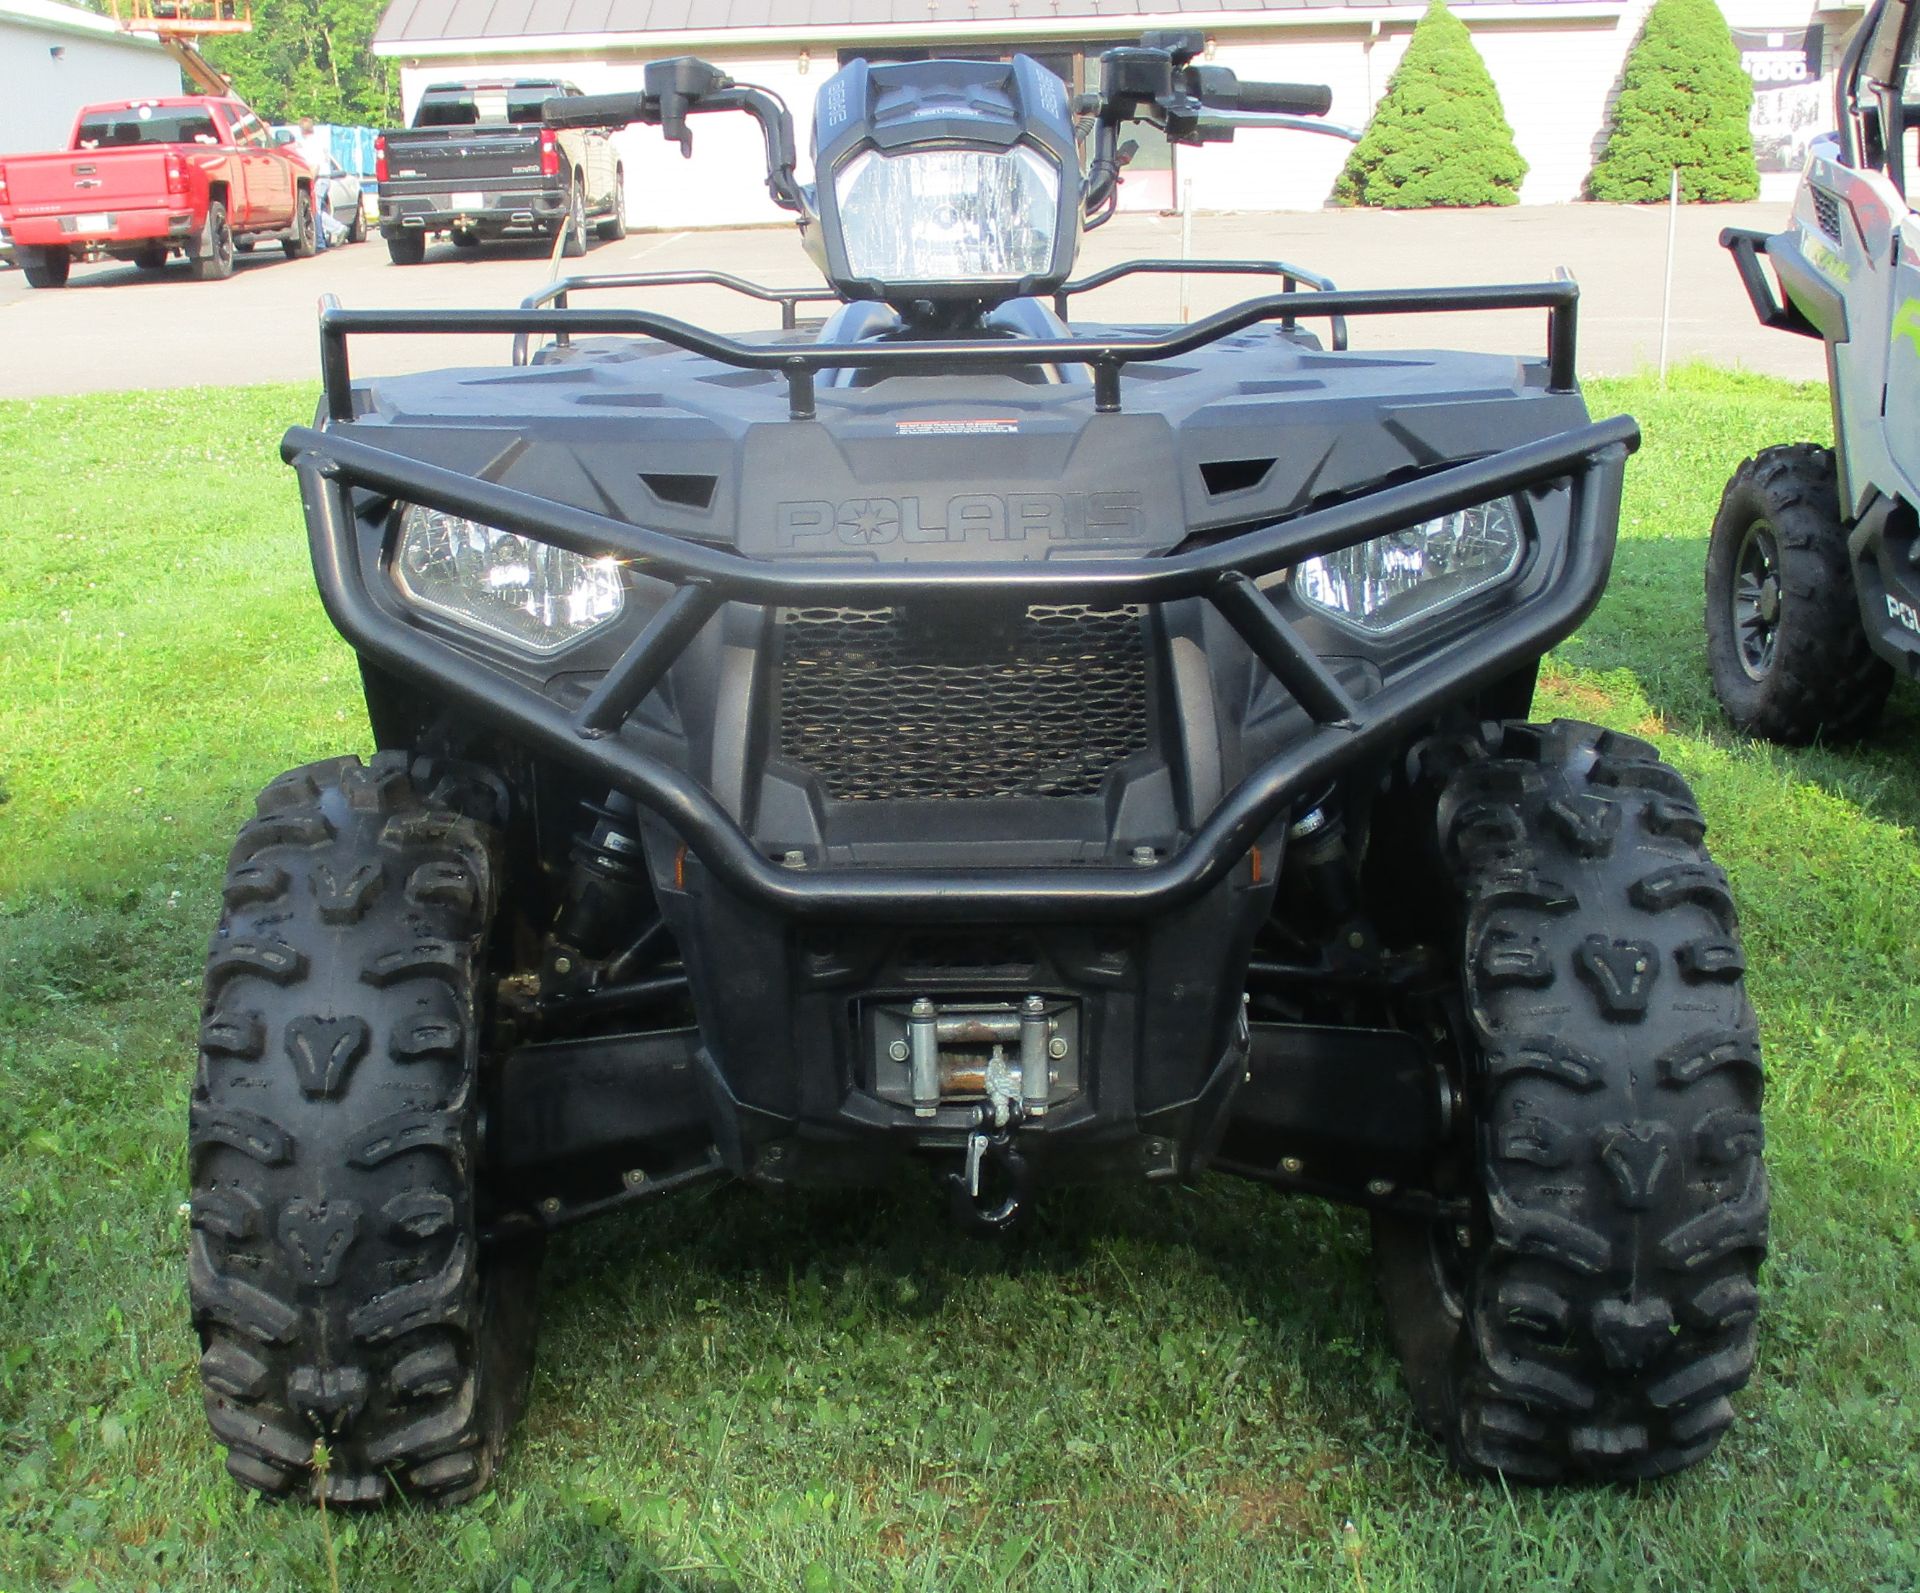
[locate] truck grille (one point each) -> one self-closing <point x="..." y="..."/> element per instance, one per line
<point x="1040" y="703"/>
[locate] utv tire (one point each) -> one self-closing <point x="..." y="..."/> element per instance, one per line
<point x="45" y="268"/>
<point x="340" y="1283"/>
<point x="614" y="228"/>
<point x="213" y="254"/>
<point x="406" y="248"/>
<point x="1785" y="641"/>
<point x="1593" y="1315"/>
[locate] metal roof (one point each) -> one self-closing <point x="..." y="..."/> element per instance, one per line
<point x="447" y="21"/>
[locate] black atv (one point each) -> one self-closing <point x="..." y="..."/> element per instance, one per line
<point x="954" y="735"/>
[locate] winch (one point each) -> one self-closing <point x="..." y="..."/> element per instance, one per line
<point x="1012" y="1055"/>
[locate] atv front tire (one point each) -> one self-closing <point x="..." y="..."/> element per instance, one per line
<point x="1590" y="1318"/>
<point x="1788" y="651"/>
<point x="340" y="1284"/>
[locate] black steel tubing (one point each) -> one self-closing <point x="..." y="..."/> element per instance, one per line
<point x="1119" y="579"/>
<point x="1292" y="275"/>
<point x="1006" y="894"/>
<point x="640" y="668"/>
<point x="944" y="356"/>
<point x="558" y="294"/>
<point x="1275" y="643"/>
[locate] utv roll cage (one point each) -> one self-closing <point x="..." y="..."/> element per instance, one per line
<point x="335" y="465"/>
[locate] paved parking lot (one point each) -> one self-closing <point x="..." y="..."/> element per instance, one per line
<point x="115" y="327"/>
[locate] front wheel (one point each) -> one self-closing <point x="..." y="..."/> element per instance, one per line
<point x="357" y="228"/>
<point x="1789" y="654"/>
<point x="574" y="240"/>
<point x="1594" y="1310"/>
<point x="45" y="268"/>
<point x="614" y="228"/>
<point x="341" y="1281"/>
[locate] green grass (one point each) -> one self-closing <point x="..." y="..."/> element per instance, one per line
<point x="1150" y="1389"/>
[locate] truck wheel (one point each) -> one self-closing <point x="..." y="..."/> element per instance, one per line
<point x="465" y="238"/>
<point x="301" y="244"/>
<point x="45" y="268"/>
<point x="357" y="228"/>
<point x="151" y="258"/>
<point x="1789" y="654"/>
<point x="341" y="1283"/>
<point x="575" y="240"/>
<point x="614" y="228"/>
<point x="406" y="248"/>
<point x="1592" y="1314"/>
<point x="213" y="255"/>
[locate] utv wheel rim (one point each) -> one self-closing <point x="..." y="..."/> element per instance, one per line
<point x="1757" y="599"/>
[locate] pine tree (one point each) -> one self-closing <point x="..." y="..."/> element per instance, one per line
<point x="1438" y="136"/>
<point x="1684" y="102"/>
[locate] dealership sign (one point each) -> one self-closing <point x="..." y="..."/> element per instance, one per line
<point x="1790" y="105"/>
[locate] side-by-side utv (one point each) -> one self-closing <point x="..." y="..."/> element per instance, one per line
<point x="1813" y="567"/>
<point x="961" y="734"/>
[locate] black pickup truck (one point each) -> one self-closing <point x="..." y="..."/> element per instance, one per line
<point x="476" y="163"/>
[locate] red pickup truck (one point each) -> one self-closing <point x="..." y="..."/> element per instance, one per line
<point x="142" y="180"/>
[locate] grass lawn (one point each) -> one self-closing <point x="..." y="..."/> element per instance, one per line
<point x="1150" y="1389"/>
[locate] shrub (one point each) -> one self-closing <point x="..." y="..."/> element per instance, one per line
<point x="1684" y="102"/>
<point x="1438" y="136"/>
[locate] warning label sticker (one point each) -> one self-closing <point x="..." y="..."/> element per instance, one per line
<point x="956" y="428"/>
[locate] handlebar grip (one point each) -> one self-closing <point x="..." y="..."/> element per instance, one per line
<point x="596" y="110"/>
<point x="1284" y="99"/>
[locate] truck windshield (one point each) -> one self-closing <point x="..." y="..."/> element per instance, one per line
<point x="145" y="124"/>
<point x="519" y="105"/>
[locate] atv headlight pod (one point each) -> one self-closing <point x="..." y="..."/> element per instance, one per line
<point x="1383" y="584"/>
<point x="948" y="215"/>
<point x="531" y="594"/>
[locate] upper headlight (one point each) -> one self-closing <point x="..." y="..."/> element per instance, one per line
<point x="948" y="215"/>
<point x="532" y="594"/>
<point x="1383" y="584"/>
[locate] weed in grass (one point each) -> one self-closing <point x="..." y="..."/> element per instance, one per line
<point x="1148" y="1388"/>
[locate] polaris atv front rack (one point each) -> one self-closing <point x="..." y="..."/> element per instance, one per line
<point x="800" y="364"/>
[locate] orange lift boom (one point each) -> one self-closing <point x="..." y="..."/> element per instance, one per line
<point x="180" y="24"/>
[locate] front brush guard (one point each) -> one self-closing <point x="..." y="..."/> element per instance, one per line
<point x="1591" y="458"/>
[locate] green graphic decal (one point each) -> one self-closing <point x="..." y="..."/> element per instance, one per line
<point x="1906" y="323"/>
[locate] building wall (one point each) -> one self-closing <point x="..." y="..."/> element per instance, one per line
<point x="1557" y="74"/>
<point x="42" y="92"/>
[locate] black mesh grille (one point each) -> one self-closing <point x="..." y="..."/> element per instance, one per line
<point x="1826" y="210"/>
<point x="1035" y="704"/>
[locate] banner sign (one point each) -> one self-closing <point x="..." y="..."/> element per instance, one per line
<point x="1791" y="104"/>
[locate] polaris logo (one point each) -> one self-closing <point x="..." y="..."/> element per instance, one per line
<point x="966" y="517"/>
<point x="1904" y="613"/>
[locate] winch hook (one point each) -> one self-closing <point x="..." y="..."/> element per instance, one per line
<point x="990" y="1150"/>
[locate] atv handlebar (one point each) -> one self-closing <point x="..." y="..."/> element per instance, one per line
<point x="1275" y="99"/>
<point x="597" y="110"/>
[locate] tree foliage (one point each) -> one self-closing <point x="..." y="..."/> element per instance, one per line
<point x="1684" y="103"/>
<point x="311" y="58"/>
<point x="1438" y="136"/>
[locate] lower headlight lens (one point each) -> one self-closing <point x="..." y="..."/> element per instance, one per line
<point x="948" y="215"/>
<point x="1383" y="584"/>
<point x="532" y="594"/>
